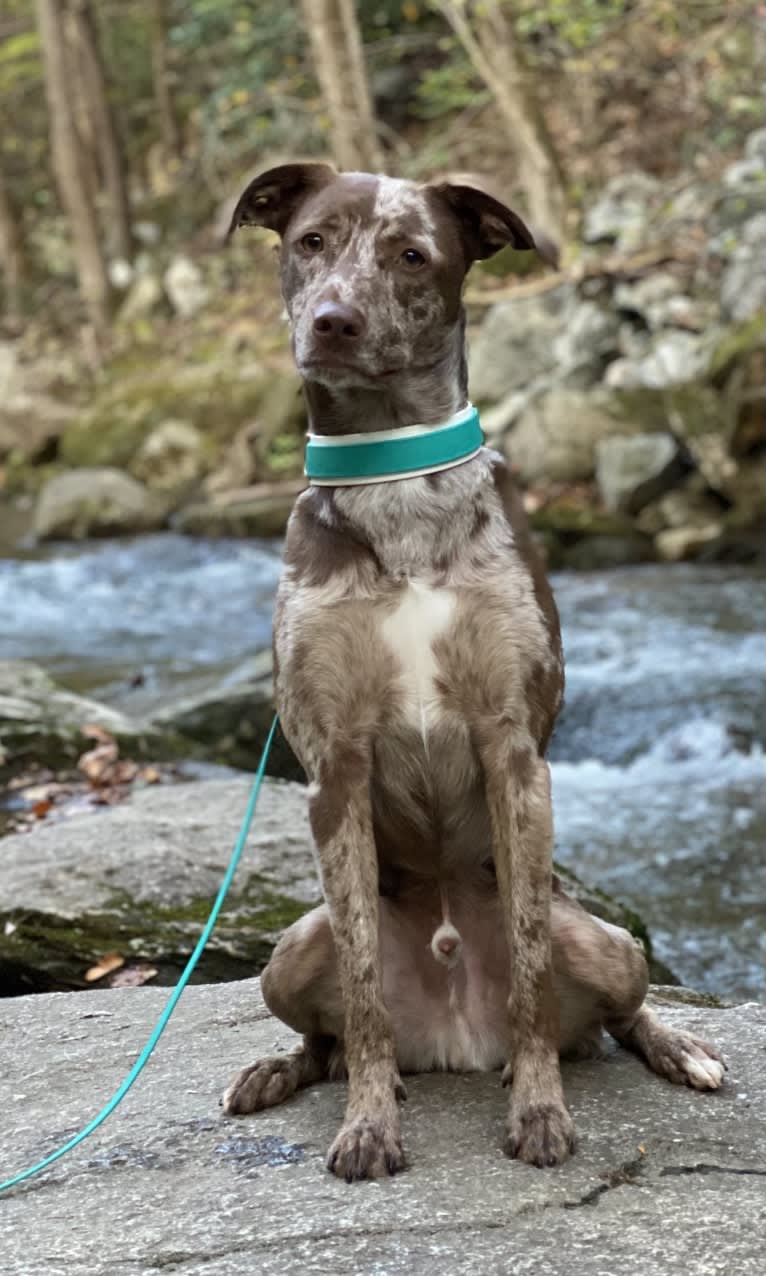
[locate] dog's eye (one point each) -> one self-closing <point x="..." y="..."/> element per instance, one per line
<point x="313" y="243"/>
<point x="413" y="259"/>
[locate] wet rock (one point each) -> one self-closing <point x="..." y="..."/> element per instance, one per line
<point x="95" y="502"/>
<point x="556" y="436"/>
<point x="229" y="721"/>
<point x="622" y="215"/>
<point x="40" y="721"/>
<point x="173" y="457"/>
<point x="515" y="344"/>
<point x="633" y="471"/>
<point x="186" y="287"/>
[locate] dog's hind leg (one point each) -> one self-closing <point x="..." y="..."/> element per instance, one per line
<point x="300" y="986"/>
<point x="602" y="979"/>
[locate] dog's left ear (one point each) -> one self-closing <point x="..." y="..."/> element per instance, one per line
<point x="271" y="198"/>
<point x="486" y="225"/>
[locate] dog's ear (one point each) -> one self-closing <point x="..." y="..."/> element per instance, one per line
<point x="486" y="224"/>
<point x="271" y="198"/>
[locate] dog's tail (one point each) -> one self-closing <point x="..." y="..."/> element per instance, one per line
<point x="446" y="944"/>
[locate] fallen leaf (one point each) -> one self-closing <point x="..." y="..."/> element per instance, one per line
<point x="105" y="966"/>
<point x="41" y="808"/>
<point x="149" y="775"/>
<point x="133" y="976"/>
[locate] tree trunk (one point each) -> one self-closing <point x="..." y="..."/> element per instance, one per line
<point x="486" y="32"/>
<point x="11" y="252"/>
<point x="338" y="54"/>
<point x="168" y="120"/>
<point x="68" y="166"/>
<point x="106" y="139"/>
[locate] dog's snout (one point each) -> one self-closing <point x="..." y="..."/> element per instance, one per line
<point x="333" y="320"/>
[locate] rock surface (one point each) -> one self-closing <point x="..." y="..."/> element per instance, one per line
<point x="139" y="879"/>
<point x="97" y="501"/>
<point x="664" y="1179"/>
<point x="632" y="472"/>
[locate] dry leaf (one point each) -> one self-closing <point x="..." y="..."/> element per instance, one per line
<point x="105" y="966"/>
<point x="149" y="775"/>
<point x="133" y="976"/>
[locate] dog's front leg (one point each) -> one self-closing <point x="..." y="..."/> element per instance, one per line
<point x="539" y="1128"/>
<point x="369" y="1143"/>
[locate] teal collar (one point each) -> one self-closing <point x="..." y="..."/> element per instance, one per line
<point x="350" y="459"/>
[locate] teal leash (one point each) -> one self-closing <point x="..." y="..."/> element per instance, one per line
<point x="175" y="996"/>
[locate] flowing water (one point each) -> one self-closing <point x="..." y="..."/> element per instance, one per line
<point x="658" y="764"/>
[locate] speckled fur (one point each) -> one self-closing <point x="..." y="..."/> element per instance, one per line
<point x="419" y="675"/>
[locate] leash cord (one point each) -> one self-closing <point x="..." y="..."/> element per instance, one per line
<point x="175" y="996"/>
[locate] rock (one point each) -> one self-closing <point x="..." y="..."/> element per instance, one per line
<point x="633" y="471"/>
<point x="556" y="436"/>
<point x="622" y="215"/>
<point x="515" y="344"/>
<point x="259" y="515"/>
<point x="755" y="148"/>
<point x="673" y="358"/>
<point x="139" y="878"/>
<point x="588" y="339"/>
<point x="30" y="417"/>
<point x="40" y="720"/>
<point x="174" y="456"/>
<point x="230" y="720"/>
<point x="95" y="502"/>
<point x="658" y="300"/>
<point x="186" y="287"/>
<point x="663" y="1176"/>
<point x="743" y="286"/>
<point x="144" y="298"/>
<point x="691" y="505"/>
<point x="682" y="543"/>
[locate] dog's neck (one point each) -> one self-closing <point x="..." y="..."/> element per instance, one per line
<point x="416" y="396"/>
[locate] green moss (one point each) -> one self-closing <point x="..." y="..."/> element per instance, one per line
<point x="570" y="520"/>
<point x="737" y="342"/>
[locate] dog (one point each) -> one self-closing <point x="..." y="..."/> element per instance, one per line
<point x="419" y="673"/>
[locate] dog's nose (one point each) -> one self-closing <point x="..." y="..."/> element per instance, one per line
<point x="333" y="319"/>
<point x="447" y="945"/>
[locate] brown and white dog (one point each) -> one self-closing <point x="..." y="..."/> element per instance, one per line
<point x="419" y="675"/>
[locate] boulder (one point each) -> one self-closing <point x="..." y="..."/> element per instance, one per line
<point x="95" y="502"/>
<point x="230" y="719"/>
<point x="677" y="544"/>
<point x="185" y="286"/>
<point x="743" y="285"/>
<point x="664" y="1178"/>
<point x="515" y="344"/>
<point x="659" y="301"/>
<point x="556" y="436"/>
<point x="673" y="358"/>
<point x="41" y="721"/>
<point x="138" y="879"/>
<point x="174" y="456"/>
<point x="622" y="215"/>
<point x="633" y="471"/>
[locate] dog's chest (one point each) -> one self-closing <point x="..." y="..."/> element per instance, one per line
<point x="421" y="615"/>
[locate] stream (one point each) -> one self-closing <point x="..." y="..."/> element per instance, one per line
<point x="658" y="762"/>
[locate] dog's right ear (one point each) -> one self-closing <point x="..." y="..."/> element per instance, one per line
<point x="271" y="199"/>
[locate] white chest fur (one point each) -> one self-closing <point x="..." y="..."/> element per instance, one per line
<point x="421" y="615"/>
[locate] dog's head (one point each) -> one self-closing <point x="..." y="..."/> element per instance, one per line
<point x="373" y="267"/>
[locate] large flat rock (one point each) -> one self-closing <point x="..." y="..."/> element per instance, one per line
<point x="139" y="879"/>
<point x="664" y="1179"/>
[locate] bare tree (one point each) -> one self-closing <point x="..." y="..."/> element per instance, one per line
<point x="66" y="148"/>
<point x="166" y="112"/>
<point x="485" y="29"/>
<point x="11" y="251"/>
<point x="338" y="54"/>
<point x="88" y="68"/>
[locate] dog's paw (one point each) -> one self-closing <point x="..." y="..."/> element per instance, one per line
<point x="262" y="1085"/>
<point x="686" y="1060"/>
<point x="367" y="1147"/>
<point x="540" y="1134"/>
